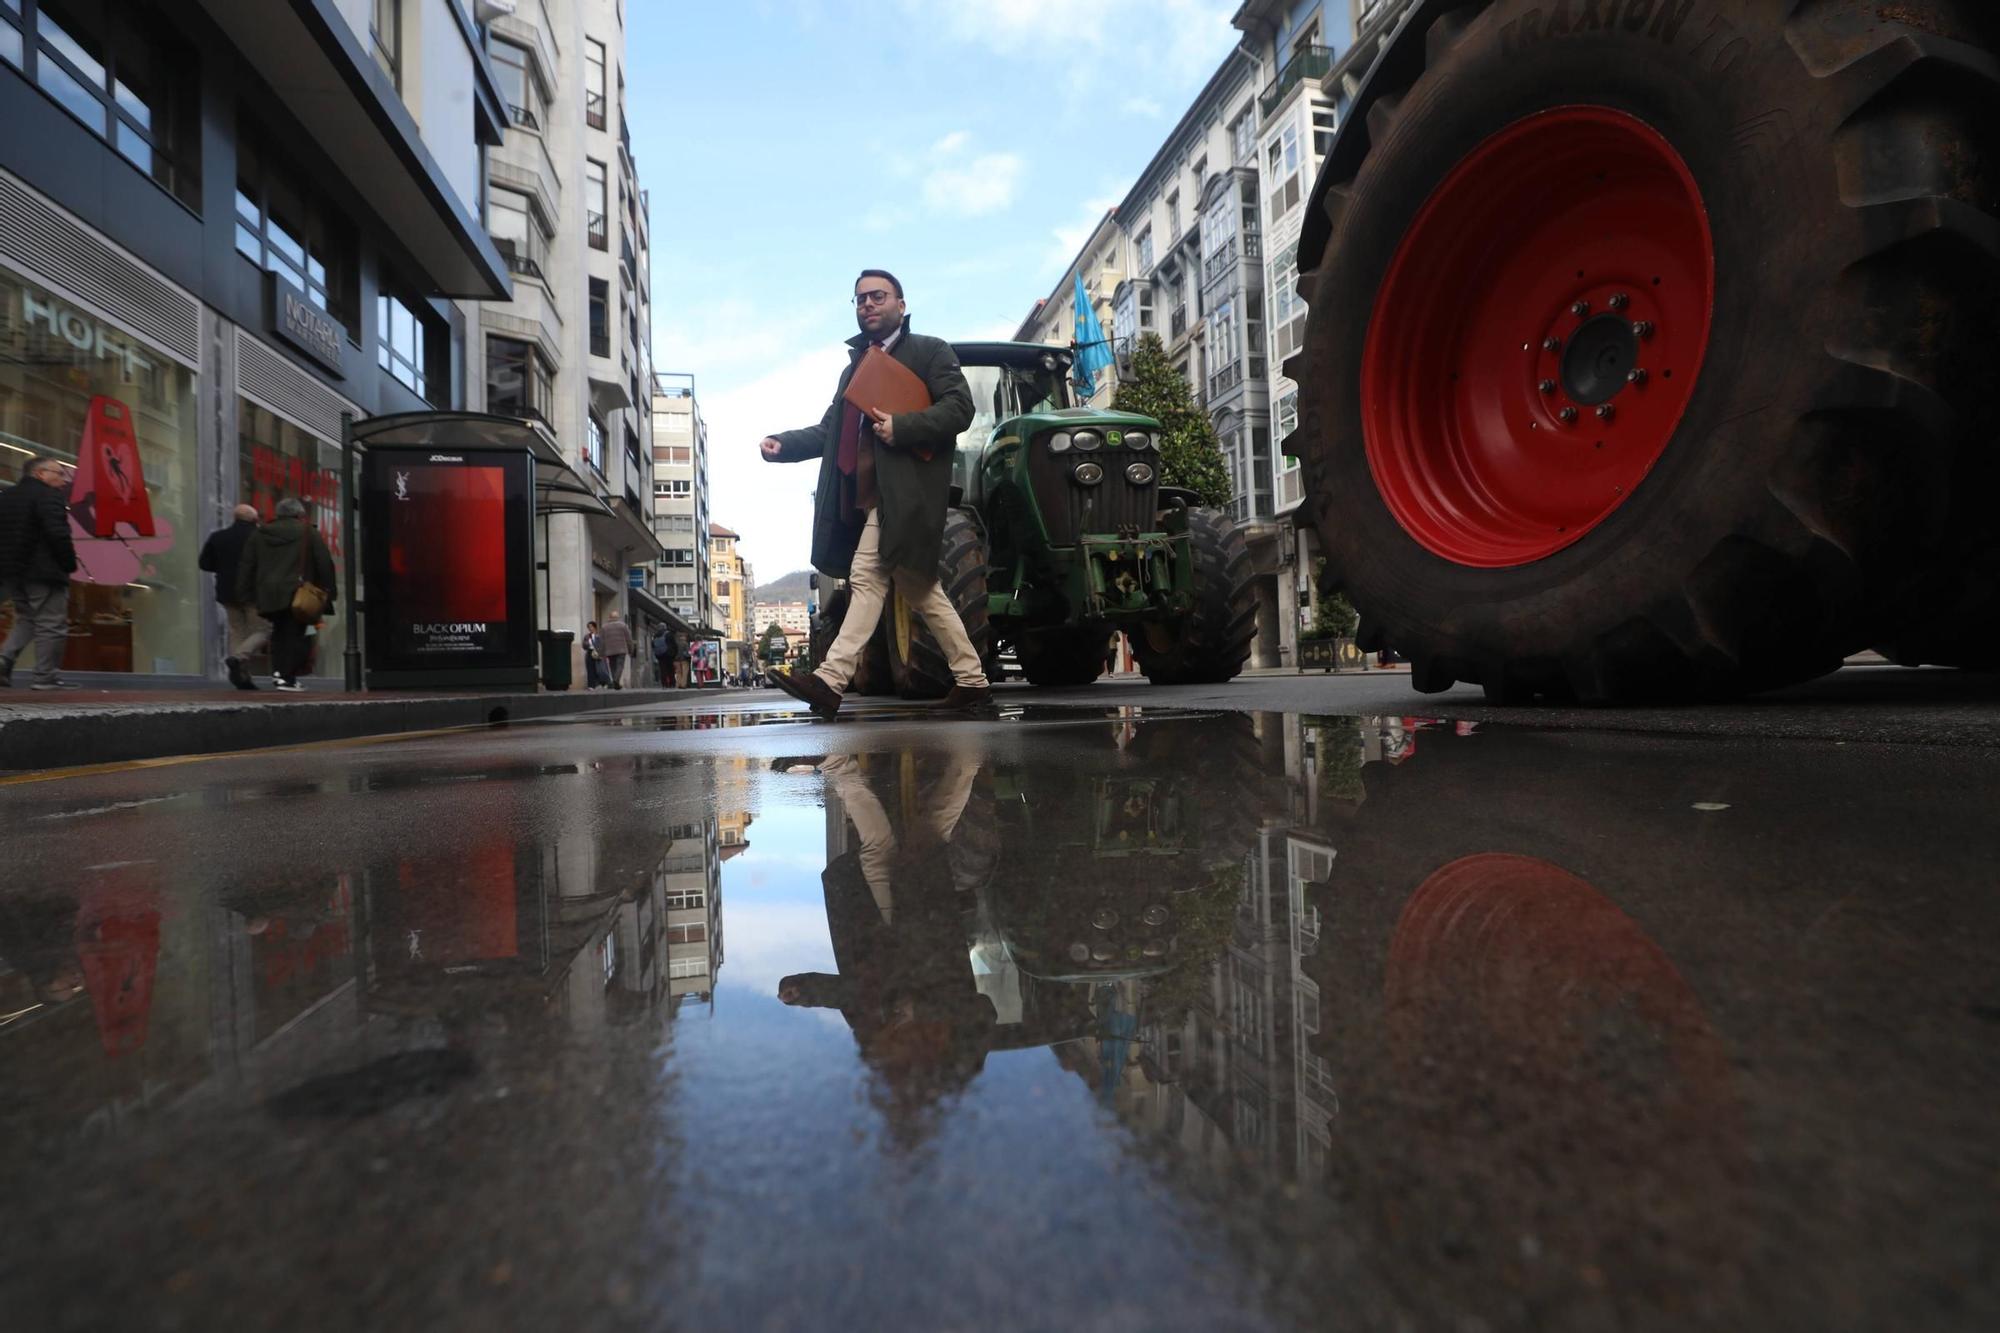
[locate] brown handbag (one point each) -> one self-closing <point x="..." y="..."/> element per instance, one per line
<point x="308" y="599"/>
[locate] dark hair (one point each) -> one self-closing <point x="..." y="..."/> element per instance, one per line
<point x="883" y="274"/>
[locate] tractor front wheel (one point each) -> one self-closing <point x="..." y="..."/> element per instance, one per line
<point x="1209" y="644"/>
<point x="1070" y="656"/>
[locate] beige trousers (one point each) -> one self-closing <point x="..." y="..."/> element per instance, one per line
<point x="938" y="819"/>
<point x="249" y="633"/>
<point x="867" y="587"/>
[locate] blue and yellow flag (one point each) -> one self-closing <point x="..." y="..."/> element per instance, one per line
<point x="1093" y="349"/>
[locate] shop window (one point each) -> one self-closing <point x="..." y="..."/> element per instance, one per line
<point x="518" y="382"/>
<point x="287" y="229"/>
<point x="407" y="344"/>
<point x="277" y="460"/>
<point x="76" y="387"/>
<point x="118" y="68"/>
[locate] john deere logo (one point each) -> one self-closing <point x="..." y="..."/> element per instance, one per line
<point x="1114" y="438"/>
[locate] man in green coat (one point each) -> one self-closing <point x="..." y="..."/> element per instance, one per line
<point x="884" y="485"/>
<point x="276" y="559"/>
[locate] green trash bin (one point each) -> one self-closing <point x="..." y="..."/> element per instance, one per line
<point x="555" y="658"/>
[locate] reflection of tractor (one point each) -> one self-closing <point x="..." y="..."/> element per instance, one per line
<point x="1059" y="537"/>
<point x="1650" y="345"/>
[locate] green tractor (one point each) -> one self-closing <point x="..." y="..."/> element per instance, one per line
<point x="1060" y="535"/>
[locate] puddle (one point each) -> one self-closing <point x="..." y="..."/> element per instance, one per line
<point x="1219" y="1020"/>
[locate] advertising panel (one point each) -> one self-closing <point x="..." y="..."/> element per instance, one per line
<point x="449" y="543"/>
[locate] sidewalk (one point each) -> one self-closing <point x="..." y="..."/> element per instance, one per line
<point x="49" y="730"/>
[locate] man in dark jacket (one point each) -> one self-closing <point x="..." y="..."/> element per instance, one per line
<point x="883" y="488"/>
<point x="36" y="559"/>
<point x="248" y="633"/>
<point x="280" y="556"/>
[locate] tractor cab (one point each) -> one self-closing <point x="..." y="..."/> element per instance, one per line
<point x="1007" y="380"/>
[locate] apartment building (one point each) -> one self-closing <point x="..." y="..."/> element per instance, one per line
<point x="730" y="576"/>
<point x="680" y="497"/>
<point x="224" y="223"/>
<point x="572" y="348"/>
<point x="1100" y="262"/>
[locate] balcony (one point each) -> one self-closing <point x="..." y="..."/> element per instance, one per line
<point x="1310" y="63"/>
<point x="598" y="228"/>
<point x="1178" y="324"/>
<point x="527" y="255"/>
<point x="1225" y="379"/>
<point x="525" y="117"/>
<point x="593" y="110"/>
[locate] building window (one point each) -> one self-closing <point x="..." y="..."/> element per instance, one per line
<point x="121" y="72"/>
<point x="1174" y="217"/>
<point x="385" y="38"/>
<point x="1282" y="159"/>
<point x="518" y="382"/>
<point x="513" y="67"/>
<point x="285" y="229"/>
<point x="600" y="317"/>
<point x="1288" y="414"/>
<point x="1145" y="249"/>
<point x="593" y="83"/>
<point x="1326" y="120"/>
<point x="405" y="343"/>
<point x="596" y="204"/>
<point x="676" y="490"/>
<point x="1243" y="139"/>
<point x="593" y="442"/>
<point x="681" y="557"/>
<point x="1288" y="312"/>
<point x="510" y="220"/>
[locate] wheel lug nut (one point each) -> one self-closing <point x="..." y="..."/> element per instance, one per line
<point x="1552" y="344"/>
<point x="1568" y="415"/>
<point x="1605" y="412"/>
<point x="1644" y="328"/>
<point x="1620" y="301"/>
<point x="1580" y="309"/>
<point x="1548" y="386"/>
<point x="1637" y="375"/>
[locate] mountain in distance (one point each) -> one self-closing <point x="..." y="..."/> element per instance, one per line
<point x="791" y="588"/>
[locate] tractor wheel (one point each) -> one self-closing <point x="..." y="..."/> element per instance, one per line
<point x="1210" y="644"/>
<point x="1648" y="355"/>
<point x="871" y="676"/>
<point x="916" y="661"/>
<point x="1073" y="655"/>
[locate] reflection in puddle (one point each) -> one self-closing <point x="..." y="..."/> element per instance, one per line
<point x="1422" y="1022"/>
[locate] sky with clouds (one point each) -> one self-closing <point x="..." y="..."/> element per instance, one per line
<point x="968" y="145"/>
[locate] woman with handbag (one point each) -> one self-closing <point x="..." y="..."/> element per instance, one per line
<point x="287" y="574"/>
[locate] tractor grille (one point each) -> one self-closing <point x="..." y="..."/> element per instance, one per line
<point x="1111" y="506"/>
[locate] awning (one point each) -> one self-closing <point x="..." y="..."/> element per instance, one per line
<point x="656" y="609"/>
<point x="558" y="489"/>
<point x="628" y="530"/>
<point x="316" y="66"/>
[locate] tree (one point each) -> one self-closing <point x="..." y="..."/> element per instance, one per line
<point x="1190" y="455"/>
<point x="771" y="647"/>
<point x="1333" y="615"/>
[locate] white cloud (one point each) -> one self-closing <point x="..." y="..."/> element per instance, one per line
<point x="958" y="181"/>
<point x="1070" y="236"/>
<point x="1144" y="107"/>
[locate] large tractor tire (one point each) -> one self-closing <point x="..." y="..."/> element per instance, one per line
<point x="1210" y="644"/>
<point x="872" y="675"/>
<point x="1648" y="353"/>
<point x="915" y="660"/>
<point x="1073" y="655"/>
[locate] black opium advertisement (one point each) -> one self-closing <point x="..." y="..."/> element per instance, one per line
<point x="449" y="585"/>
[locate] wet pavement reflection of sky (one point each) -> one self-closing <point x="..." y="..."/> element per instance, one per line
<point x="1063" y="1018"/>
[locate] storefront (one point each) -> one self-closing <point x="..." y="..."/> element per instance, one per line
<point x="121" y="411"/>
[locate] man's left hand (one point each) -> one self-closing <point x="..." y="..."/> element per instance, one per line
<point x="885" y="426"/>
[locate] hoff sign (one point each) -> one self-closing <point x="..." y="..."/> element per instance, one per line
<point x="305" y="326"/>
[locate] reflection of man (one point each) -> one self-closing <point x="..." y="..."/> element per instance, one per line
<point x="37" y="558"/>
<point x="248" y="631"/>
<point x="904" y="984"/>
<point x="884" y="485"/>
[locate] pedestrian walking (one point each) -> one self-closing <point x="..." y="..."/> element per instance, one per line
<point x="283" y="564"/>
<point x="615" y="642"/>
<point x="665" y="648"/>
<point x="249" y="632"/>
<point x="37" y="558"/>
<point x="593" y="659"/>
<point x="884" y="484"/>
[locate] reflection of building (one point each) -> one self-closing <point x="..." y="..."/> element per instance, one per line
<point x="273" y="215"/>
<point x="690" y="884"/>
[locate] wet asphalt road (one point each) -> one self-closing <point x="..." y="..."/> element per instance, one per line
<point x="1067" y="1017"/>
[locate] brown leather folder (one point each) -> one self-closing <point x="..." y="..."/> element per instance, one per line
<point x="881" y="383"/>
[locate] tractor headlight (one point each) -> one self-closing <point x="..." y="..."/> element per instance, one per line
<point x="1087" y="440"/>
<point x="1049" y="361"/>
<point x="1139" y="473"/>
<point x="1088" y="474"/>
<point x="1138" y="439"/>
<point x="1059" y="442"/>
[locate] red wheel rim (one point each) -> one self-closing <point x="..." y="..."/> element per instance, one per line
<point x="1537" y="337"/>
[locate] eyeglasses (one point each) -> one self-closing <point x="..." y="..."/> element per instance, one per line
<point x="873" y="298"/>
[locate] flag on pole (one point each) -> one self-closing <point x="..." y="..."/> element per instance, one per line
<point x="1093" y="349"/>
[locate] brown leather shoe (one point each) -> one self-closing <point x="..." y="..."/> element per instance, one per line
<point x="809" y="690"/>
<point x="963" y="699"/>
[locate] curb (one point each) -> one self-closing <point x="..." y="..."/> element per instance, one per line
<point x="136" y="731"/>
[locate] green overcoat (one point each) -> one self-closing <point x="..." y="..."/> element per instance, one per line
<point x="915" y="491"/>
